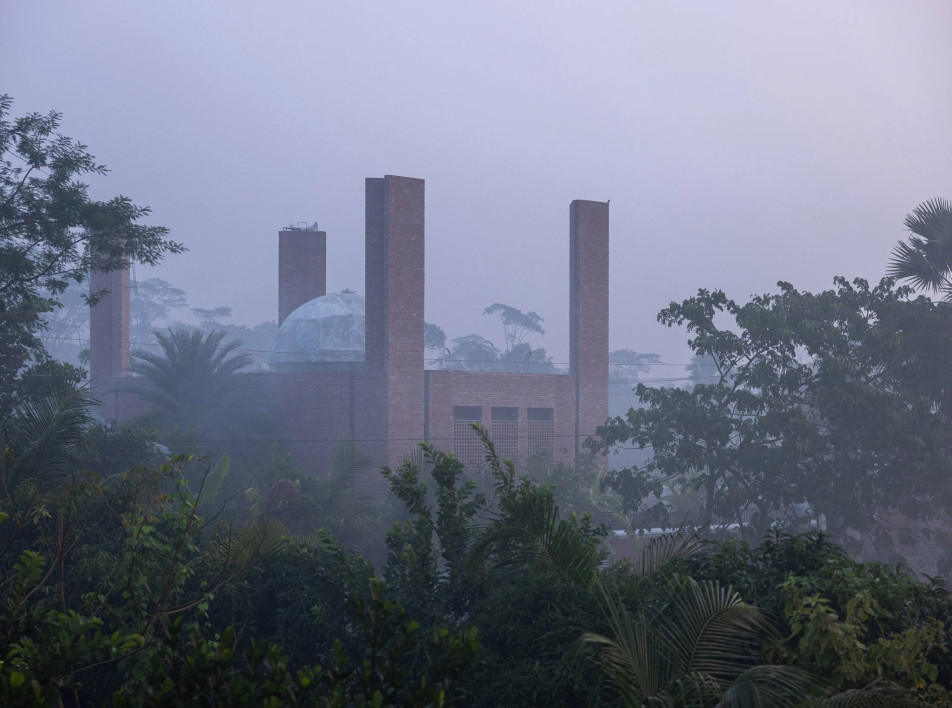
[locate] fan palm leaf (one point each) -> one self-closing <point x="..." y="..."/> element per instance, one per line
<point x="926" y="258"/>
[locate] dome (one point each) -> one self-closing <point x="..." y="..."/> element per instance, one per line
<point x="326" y="333"/>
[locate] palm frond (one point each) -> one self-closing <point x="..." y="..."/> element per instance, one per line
<point x="771" y="685"/>
<point x="926" y="258"/>
<point x="48" y="424"/>
<point x="239" y="546"/>
<point x="531" y="533"/>
<point x="711" y="629"/>
<point x="634" y="659"/>
<point x="872" y="697"/>
<point x="661" y="550"/>
<point x="191" y="383"/>
<point x="702" y="648"/>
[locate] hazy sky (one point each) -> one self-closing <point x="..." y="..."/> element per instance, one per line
<point x="740" y="143"/>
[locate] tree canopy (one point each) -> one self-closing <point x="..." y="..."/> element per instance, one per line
<point x="839" y="397"/>
<point x="516" y="324"/>
<point x="51" y="232"/>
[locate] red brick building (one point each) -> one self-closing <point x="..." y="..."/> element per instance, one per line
<point x="389" y="401"/>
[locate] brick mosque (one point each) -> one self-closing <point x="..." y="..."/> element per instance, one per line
<point x="332" y="380"/>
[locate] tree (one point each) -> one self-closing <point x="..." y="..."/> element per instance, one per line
<point x="702" y="370"/>
<point x="42" y="434"/>
<point x="330" y="501"/>
<point x="516" y="324"/>
<point x="212" y="318"/>
<point x="434" y="338"/>
<point x="192" y="383"/>
<point x="701" y="648"/>
<point x="152" y="301"/>
<point x="471" y="352"/>
<point x="65" y="327"/>
<point x="816" y="396"/>
<point x="926" y="259"/>
<point x="852" y="624"/>
<point x="51" y="232"/>
<point x="627" y="364"/>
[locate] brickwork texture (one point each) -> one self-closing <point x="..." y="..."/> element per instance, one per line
<point x="391" y="404"/>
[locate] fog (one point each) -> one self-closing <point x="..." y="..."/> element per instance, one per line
<point x="740" y="143"/>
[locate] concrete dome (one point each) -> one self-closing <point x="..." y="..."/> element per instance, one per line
<point x="326" y="333"/>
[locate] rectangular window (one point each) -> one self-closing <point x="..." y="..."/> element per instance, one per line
<point x="541" y="431"/>
<point x="505" y="432"/>
<point x="466" y="444"/>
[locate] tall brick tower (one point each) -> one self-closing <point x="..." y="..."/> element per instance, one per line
<point x="394" y="315"/>
<point x="588" y="314"/>
<point x="109" y="336"/>
<point x="302" y="268"/>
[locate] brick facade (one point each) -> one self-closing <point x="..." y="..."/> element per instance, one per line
<point x="394" y="294"/>
<point x="588" y="314"/>
<point x="109" y="337"/>
<point x="302" y="268"/>
<point x="486" y="390"/>
<point x="391" y="403"/>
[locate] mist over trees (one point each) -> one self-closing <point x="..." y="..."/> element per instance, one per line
<point x="143" y="566"/>
<point x="52" y="233"/>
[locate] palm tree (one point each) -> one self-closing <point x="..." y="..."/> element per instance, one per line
<point x="703" y="646"/>
<point x="926" y="258"/>
<point x="44" y="425"/>
<point x="700" y="649"/>
<point x="192" y="383"/>
<point x="529" y="531"/>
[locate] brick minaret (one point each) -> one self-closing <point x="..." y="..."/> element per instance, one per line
<point x="302" y="268"/>
<point x="109" y="336"/>
<point x="588" y="314"/>
<point x="394" y="295"/>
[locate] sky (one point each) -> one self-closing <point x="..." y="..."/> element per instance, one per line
<point x="740" y="143"/>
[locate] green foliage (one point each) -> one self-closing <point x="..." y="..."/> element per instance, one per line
<point x="434" y="540"/>
<point x="295" y="593"/>
<point x="113" y="448"/>
<point x="820" y="396"/>
<point x="192" y="384"/>
<point x="926" y="259"/>
<point x="853" y="624"/>
<point x="700" y="648"/>
<point x="115" y="588"/>
<point x="51" y="232"/>
<point x="331" y="500"/>
<point x="43" y="426"/>
<point x="579" y="488"/>
<point x="529" y="531"/>
<point x="85" y="598"/>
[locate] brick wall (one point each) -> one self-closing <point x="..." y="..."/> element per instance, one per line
<point x="588" y="312"/>
<point x="393" y="403"/>
<point x="302" y="268"/>
<point x="446" y="389"/>
<point x="314" y="413"/>
<point x="394" y="318"/>
<point x="109" y="337"/>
